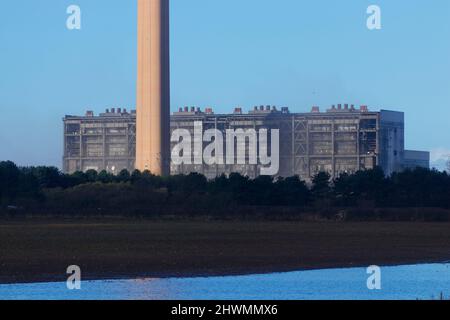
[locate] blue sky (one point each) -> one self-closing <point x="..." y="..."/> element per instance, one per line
<point x="225" y="53"/>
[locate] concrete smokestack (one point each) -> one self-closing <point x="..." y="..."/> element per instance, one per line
<point x="153" y="88"/>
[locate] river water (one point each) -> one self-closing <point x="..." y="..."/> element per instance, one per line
<point x="425" y="281"/>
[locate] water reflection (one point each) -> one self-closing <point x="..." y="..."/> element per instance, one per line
<point x="402" y="282"/>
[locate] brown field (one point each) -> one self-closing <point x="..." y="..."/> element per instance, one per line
<point x="41" y="251"/>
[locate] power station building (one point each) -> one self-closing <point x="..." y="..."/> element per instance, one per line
<point x="344" y="139"/>
<point x="103" y="142"/>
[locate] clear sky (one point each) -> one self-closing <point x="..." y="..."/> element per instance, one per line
<point x="224" y="53"/>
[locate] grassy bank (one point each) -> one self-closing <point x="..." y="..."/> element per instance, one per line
<point x="42" y="250"/>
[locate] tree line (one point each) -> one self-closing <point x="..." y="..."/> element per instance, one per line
<point x="362" y="195"/>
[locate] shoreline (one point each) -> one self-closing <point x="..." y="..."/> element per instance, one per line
<point x="197" y="276"/>
<point x="126" y="250"/>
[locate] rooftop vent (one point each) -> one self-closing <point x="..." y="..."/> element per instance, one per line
<point x="315" y="109"/>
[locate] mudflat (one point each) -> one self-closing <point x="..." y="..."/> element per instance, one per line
<point x="37" y="250"/>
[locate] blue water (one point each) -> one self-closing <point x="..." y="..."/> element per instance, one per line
<point x="413" y="282"/>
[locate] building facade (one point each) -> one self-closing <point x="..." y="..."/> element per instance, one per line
<point x="344" y="139"/>
<point x="416" y="159"/>
<point x="104" y="142"/>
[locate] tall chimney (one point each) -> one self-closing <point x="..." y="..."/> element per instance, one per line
<point x="153" y="88"/>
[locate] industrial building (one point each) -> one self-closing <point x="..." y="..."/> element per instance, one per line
<point x="103" y="142"/>
<point x="342" y="139"/>
<point x="416" y="159"/>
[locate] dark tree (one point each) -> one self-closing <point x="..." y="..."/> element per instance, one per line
<point x="47" y="177"/>
<point x="46" y="190"/>
<point x="9" y="180"/>
<point x="78" y="178"/>
<point x="321" y="188"/>
<point x="91" y="176"/>
<point x="292" y="192"/>
<point x="188" y="184"/>
<point x="105" y="177"/>
<point x="124" y="176"/>
<point x="135" y="176"/>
